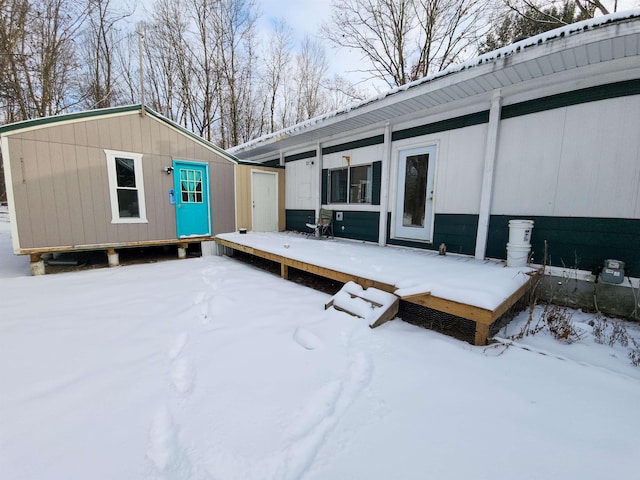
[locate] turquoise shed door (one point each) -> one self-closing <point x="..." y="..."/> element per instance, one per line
<point x="191" y="184"/>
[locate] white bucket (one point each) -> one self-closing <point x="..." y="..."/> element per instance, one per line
<point x="520" y="232"/>
<point x="517" y="255"/>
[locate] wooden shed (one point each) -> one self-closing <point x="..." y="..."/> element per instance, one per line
<point x="259" y="189"/>
<point x="127" y="177"/>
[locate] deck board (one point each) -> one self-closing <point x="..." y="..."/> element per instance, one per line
<point x="481" y="316"/>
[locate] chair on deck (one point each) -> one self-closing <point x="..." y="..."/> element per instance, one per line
<point x="323" y="225"/>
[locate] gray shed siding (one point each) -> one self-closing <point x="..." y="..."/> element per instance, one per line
<point x="61" y="187"/>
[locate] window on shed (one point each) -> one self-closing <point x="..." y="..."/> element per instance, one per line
<point x="191" y="185"/>
<point x="351" y="184"/>
<point x="126" y="187"/>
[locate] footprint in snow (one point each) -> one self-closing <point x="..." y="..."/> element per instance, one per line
<point x="178" y="345"/>
<point x="199" y="298"/>
<point x="165" y="451"/>
<point x="306" y="339"/>
<point x="183" y="376"/>
<point x="220" y="304"/>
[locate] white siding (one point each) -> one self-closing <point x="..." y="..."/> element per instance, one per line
<point x="302" y="184"/>
<point x="459" y="165"/>
<point x="358" y="156"/>
<point x="582" y="160"/>
<point x="526" y="172"/>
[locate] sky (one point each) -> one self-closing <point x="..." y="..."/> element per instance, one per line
<point x="306" y="17"/>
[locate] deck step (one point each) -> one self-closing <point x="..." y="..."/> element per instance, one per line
<point x="375" y="306"/>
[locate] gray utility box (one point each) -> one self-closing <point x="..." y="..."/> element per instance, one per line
<point x="613" y="271"/>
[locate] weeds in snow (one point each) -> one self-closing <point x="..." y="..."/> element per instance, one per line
<point x="556" y="320"/>
<point x="615" y="333"/>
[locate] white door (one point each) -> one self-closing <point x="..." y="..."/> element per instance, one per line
<point x="414" y="204"/>
<point x="264" y="200"/>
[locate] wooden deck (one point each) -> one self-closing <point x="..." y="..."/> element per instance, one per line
<point x="483" y="318"/>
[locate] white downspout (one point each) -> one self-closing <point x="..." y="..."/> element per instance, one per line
<point x="384" y="185"/>
<point x="490" y="156"/>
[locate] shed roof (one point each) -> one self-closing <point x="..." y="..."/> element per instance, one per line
<point x="589" y="42"/>
<point x="36" y="123"/>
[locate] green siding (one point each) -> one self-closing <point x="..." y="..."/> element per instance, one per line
<point x="300" y="156"/>
<point x="377" y="181"/>
<point x="575" y="97"/>
<point x="297" y="219"/>
<point x="272" y="163"/>
<point x="456" y="231"/>
<point x="574" y="242"/>
<point x="442" y="126"/>
<point x="357" y="225"/>
<point x="325" y="186"/>
<point x="364" y="142"/>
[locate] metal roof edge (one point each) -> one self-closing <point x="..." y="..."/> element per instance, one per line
<point x="65" y="117"/>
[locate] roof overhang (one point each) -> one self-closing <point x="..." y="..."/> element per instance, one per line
<point x="572" y="50"/>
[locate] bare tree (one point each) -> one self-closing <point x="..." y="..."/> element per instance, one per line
<point x="168" y="62"/>
<point x="234" y="22"/>
<point x="541" y="11"/>
<point x="13" y="20"/>
<point x="311" y="67"/>
<point x="100" y="89"/>
<point x="276" y="65"/>
<point x="40" y="70"/>
<point x="340" y="92"/>
<point x="51" y="63"/>
<point x="203" y="101"/>
<point x="511" y="25"/>
<point x="447" y="29"/>
<point x="404" y="40"/>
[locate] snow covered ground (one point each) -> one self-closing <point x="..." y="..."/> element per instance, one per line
<point x="209" y="369"/>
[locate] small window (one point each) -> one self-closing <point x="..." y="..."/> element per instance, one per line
<point x="191" y="185"/>
<point x="351" y="185"/>
<point x="126" y="187"/>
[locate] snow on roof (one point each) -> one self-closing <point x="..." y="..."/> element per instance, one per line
<point x="493" y="56"/>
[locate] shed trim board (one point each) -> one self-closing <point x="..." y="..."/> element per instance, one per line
<point x="112" y="157"/>
<point x="15" y="236"/>
<point x="505" y="123"/>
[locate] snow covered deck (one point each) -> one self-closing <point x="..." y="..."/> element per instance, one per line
<point x="480" y="291"/>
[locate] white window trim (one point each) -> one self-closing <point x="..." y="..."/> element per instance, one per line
<point x="113" y="186"/>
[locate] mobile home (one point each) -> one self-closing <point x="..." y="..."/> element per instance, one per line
<point x="544" y="130"/>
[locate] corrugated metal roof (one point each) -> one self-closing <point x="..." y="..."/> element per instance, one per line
<point x="584" y="43"/>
